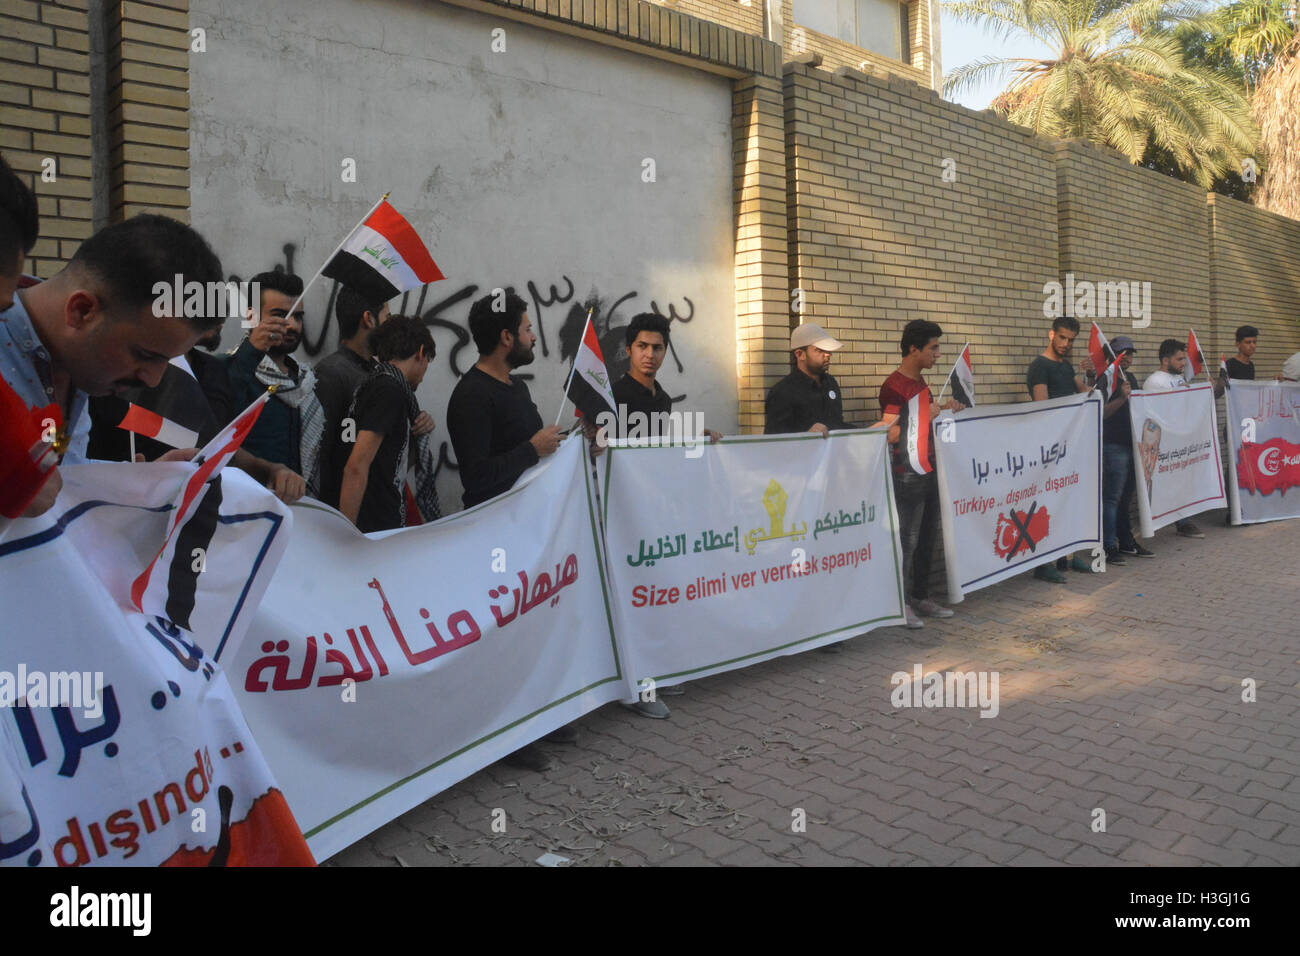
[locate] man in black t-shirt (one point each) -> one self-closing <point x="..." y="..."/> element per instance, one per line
<point x="1117" y="475"/>
<point x="1242" y="365"/>
<point x="495" y="428"/>
<point x="497" y="431"/>
<point x="384" y="409"/>
<point x="1050" y="375"/>
<point x="808" y="399"/>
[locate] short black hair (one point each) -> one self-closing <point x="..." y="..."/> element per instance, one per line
<point x="487" y="323"/>
<point x="645" y="322"/>
<point x="400" y="338"/>
<point x="1247" y="332"/>
<point x="350" y="308"/>
<point x="1171" y="347"/>
<point x="129" y="258"/>
<point x="278" y="280"/>
<point x="1065" y="322"/>
<point x="19" y="219"/>
<point x="918" y="333"/>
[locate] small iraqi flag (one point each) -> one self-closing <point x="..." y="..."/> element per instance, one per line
<point x="193" y="520"/>
<point x="914" y="430"/>
<point x="1195" y="360"/>
<point x="588" y="386"/>
<point x="1111" y="377"/>
<point x="1223" y="371"/>
<point x="382" y="257"/>
<point x="1099" y="349"/>
<point x="961" y="380"/>
<point x="152" y="425"/>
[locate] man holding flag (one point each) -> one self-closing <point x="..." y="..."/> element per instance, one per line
<point x="1117" y="474"/>
<point x="916" y="488"/>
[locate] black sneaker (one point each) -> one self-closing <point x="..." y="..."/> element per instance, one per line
<point x="1113" y="556"/>
<point x="1136" y="550"/>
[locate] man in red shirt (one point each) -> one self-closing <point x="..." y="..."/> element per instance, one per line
<point x="917" y="495"/>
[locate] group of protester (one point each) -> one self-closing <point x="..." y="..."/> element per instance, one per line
<point x="90" y="341"/>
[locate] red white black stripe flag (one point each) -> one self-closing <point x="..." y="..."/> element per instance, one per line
<point x="914" y="430"/>
<point x="150" y="424"/>
<point x="1195" y="360"/>
<point x="194" y="516"/>
<point x="588" y="386"/>
<point x="382" y="257"/>
<point x="961" y="380"/>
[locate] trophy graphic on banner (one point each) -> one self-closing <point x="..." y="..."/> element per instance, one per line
<point x="1150" y="448"/>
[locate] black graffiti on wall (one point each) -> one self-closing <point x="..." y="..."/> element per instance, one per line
<point x="438" y="315"/>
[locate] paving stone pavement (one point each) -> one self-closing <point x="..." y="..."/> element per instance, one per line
<point x="1119" y="692"/>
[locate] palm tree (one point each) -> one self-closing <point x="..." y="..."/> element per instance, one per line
<point x="1118" y="77"/>
<point x="1277" y="110"/>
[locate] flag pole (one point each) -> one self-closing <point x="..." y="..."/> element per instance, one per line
<point x="130" y="437"/>
<point x="573" y="368"/>
<point x="330" y="258"/>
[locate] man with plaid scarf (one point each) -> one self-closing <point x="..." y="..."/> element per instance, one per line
<point x="384" y="409"/>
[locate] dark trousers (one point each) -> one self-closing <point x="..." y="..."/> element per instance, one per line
<point x="917" y="497"/>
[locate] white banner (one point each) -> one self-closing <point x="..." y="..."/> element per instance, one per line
<point x="1177" y="468"/>
<point x="381" y="670"/>
<point x="1019" y="485"/>
<point x="757" y="548"/>
<point x="1264" y="450"/>
<point x="121" y="742"/>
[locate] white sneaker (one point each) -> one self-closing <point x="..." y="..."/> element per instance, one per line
<point x="913" y="622"/>
<point x="931" y="609"/>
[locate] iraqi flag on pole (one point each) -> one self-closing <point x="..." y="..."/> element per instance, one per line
<point x="1223" y="371"/>
<point x="152" y="425"/>
<point x="382" y="257"/>
<point x="1099" y="350"/>
<point x="914" y="430"/>
<point x="166" y="588"/>
<point x="588" y="386"/>
<point x="1111" y="377"/>
<point x="961" y="380"/>
<point x="1195" y="360"/>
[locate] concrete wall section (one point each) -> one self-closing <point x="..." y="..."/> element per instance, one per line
<point x="522" y="168"/>
<point x="879" y="236"/>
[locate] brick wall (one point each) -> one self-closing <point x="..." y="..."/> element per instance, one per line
<point x="148" y="108"/>
<point x="1120" y="223"/>
<point x="743" y="15"/>
<point x="877" y="237"/>
<point x="1256" y="281"/>
<point x="47" y="110"/>
<point x="45" y="115"/>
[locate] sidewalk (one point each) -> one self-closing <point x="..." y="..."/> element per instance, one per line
<point x="1119" y="691"/>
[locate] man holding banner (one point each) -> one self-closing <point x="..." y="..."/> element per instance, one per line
<point x="905" y="394"/>
<point x="1173" y="361"/>
<point x="1118" y="482"/>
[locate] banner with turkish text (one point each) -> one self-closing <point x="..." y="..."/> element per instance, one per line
<point x="757" y="548"/>
<point x="1019" y="485"/>
<point x="1263" y="450"/>
<point x="120" y="739"/>
<point x="1177" y="469"/>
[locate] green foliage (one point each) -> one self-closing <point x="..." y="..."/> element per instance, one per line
<point x="1142" y="77"/>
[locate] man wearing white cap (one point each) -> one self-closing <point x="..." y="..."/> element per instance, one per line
<point x="808" y="399"/>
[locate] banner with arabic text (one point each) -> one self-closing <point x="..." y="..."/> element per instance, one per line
<point x="1263" y="450"/>
<point x="1178" y="472"/>
<point x="381" y="670"/>
<point x="120" y="739"/>
<point x="1019" y="485"/>
<point x="757" y="548"/>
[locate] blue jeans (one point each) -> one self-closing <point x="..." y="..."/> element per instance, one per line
<point x="1117" y="489"/>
